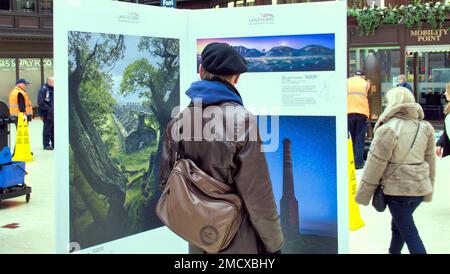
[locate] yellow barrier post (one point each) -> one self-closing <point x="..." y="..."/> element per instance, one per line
<point x="356" y="221"/>
<point x="22" y="149"/>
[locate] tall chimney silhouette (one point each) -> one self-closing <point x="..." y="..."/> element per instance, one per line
<point x="288" y="203"/>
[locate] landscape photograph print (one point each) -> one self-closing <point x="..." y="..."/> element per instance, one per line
<point x="304" y="183"/>
<point x="122" y="90"/>
<point x="287" y="53"/>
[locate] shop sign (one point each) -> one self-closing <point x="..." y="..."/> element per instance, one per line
<point x="428" y="35"/>
<point x="29" y="63"/>
<point x="48" y="63"/>
<point x="25" y="63"/>
<point x="7" y="63"/>
<point x="169" y="3"/>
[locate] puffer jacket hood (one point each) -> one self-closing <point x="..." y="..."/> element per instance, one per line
<point x="402" y="111"/>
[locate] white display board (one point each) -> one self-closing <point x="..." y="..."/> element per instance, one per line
<point x="297" y="73"/>
<point x="105" y="17"/>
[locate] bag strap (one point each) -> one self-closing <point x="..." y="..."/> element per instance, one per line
<point x="412" y="144"/>
<point x="179" y="153"/>
<point x="407" y="153"/>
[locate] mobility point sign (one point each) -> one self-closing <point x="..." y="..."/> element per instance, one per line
<point x="429" y="35"/>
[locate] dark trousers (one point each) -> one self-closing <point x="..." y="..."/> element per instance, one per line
<point x="357" y="126"/>
<point x="403" y="227"/>
<point x="48" y="132"/>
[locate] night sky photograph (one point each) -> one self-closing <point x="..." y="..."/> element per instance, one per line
<point x="313" y="149"/>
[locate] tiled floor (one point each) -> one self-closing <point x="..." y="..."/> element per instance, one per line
<point x="432" y="221"/>
<point x="36" y="225"/>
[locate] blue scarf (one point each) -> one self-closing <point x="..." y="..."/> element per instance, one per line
<point x="213" y="93"/>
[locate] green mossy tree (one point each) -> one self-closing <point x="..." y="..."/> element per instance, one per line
<point x="159" y="85"/>
<point x="89" y="54"/>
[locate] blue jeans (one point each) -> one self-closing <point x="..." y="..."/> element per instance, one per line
<point x="357" y="126"/>
<point x="403" y="227"/>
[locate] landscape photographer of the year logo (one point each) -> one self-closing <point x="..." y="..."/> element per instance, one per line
<point x="130" y="17"/>
<point x="263" y="18"/>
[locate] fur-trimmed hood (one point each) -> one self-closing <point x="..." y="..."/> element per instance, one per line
<point x="403" y="111"/>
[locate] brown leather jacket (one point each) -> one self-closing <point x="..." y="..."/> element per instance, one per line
<point x="240" y="164"/>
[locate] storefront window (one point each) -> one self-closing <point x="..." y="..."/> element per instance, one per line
<point x="286" y="1"/>
<point x="352" y="61"/>
<point x="46" y="6"/>
<point x="429" y="70"/>
<point x="30" y="69"/>
<point x="5" y="5"/>
<point x="240" y="3"/>
<point x="48" y="68"/>
<point x="7" y="78"/>
<point x="382" y="67"/>
<point x="26" y="5"/>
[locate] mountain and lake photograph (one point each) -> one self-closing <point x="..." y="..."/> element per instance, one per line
<point x="309" y="52"/>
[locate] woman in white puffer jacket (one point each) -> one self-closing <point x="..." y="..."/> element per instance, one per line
<point x="402" y="159"/>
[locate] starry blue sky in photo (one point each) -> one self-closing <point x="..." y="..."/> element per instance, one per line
<point x="313" y="146"/>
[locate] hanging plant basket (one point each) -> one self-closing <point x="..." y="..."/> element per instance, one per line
<point x="413" y="16"/>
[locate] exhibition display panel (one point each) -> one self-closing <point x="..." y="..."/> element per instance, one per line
<point x="120" y="75"/>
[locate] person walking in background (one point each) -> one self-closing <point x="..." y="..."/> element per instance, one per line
<point x="46" y="110"/>
<point x="401" y="159"/>
<point x="403" y="83"/>
<point x="238" y="162"/>
<point x="357" y="114"/>
<point x="20" y="102"/>
<point x="443" y="145"/>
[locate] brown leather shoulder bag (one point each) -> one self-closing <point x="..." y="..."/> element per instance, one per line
<point x="199" y="208"/>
